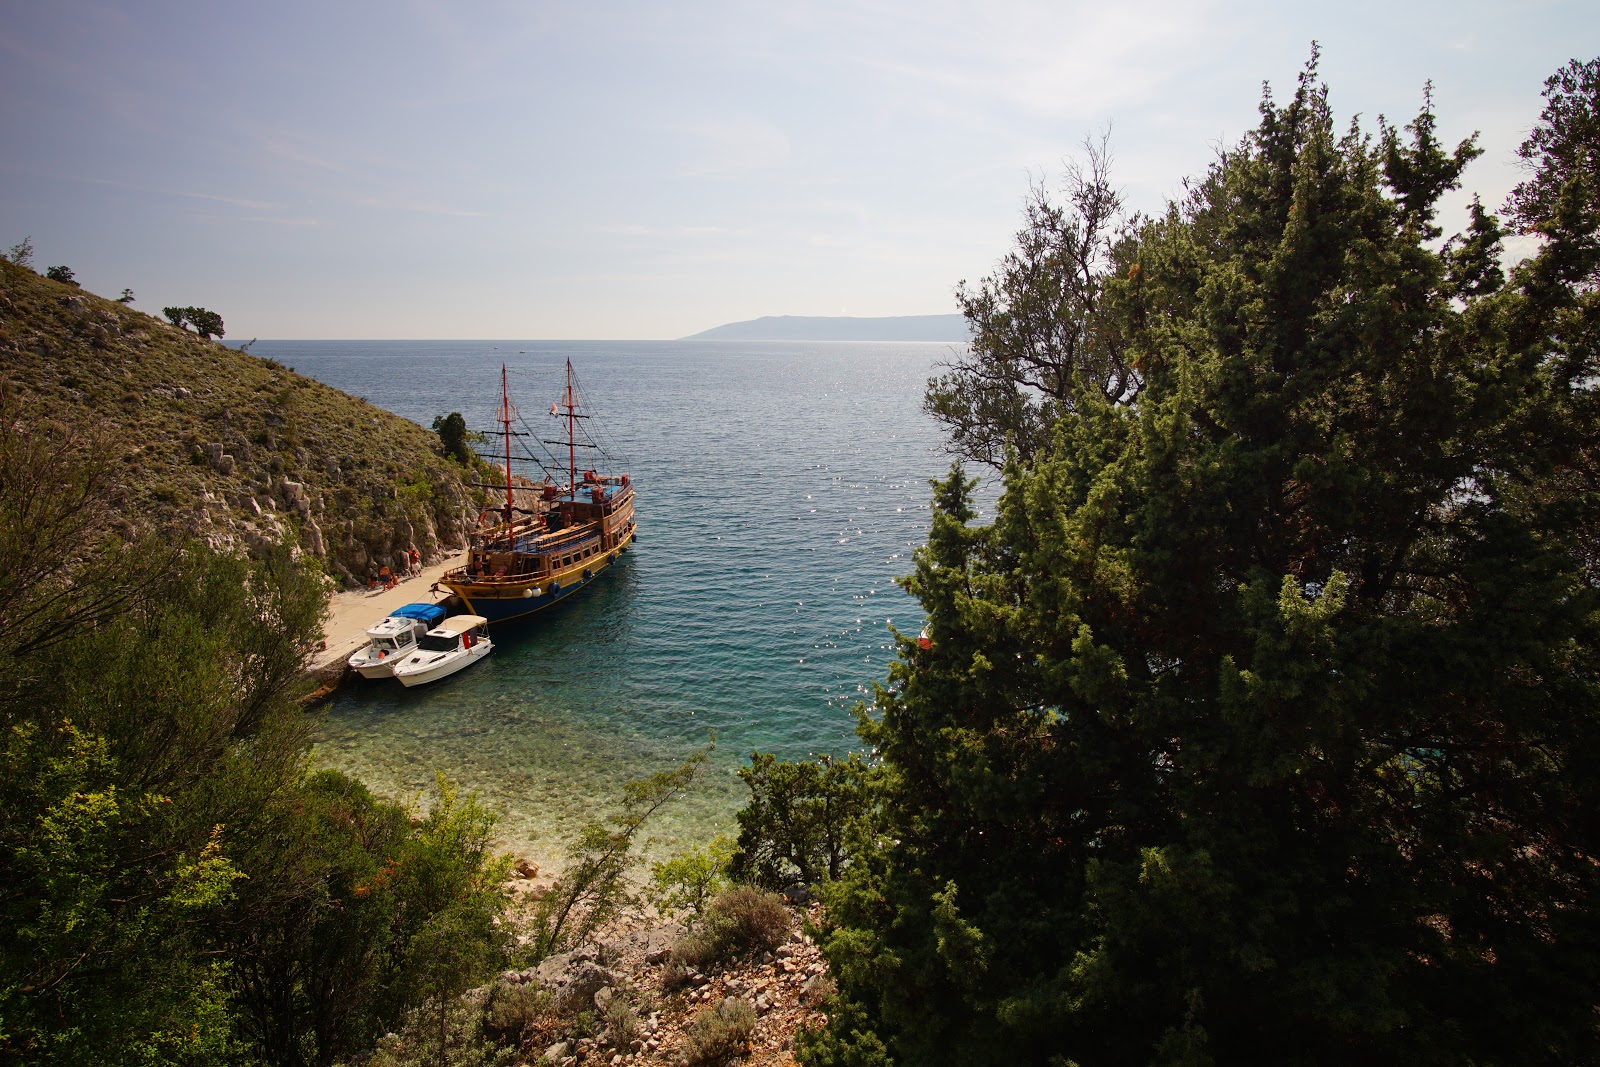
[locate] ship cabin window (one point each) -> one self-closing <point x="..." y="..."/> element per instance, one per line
<point x="438" y="642"/>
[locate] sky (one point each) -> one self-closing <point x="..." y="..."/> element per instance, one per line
<point x="621" y="169"/>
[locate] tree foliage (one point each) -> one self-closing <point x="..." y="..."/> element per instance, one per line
<point x="207" y="324"/>
<point x="21" y="253"/>
<point x="1259" y="725"/>
<point x="61" y="274"/>
<point x="801" y="820"/>
<point x="1043" y="330"/>
<point x="453" y="437"/>
<point x="691" y="878"/>
<point x="175" y="886"/>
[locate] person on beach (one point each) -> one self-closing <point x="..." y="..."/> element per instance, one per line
<point x="388" y="577"/>
<point x="416" y="560"/>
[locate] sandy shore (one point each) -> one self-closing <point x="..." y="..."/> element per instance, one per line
<point x="351" y="613"/>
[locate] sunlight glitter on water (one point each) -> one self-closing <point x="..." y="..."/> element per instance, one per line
<point x="781" y="488"/>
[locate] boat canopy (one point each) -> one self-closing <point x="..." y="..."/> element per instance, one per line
<point x="428" y="613"/>
<point x="460" y="624"/>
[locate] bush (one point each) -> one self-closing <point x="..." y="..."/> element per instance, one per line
<point x="721" y="1033"/>
<point x="675" y="974"/>
<point x="454" y="1040"/>
<point x="453" y="436"/>
<point x="691" y="879"/>
<point x="801" y="818"/>
<point x="623" y="1027"/>
<point x="516" y="1010"/>
<point x="740" y="922"/>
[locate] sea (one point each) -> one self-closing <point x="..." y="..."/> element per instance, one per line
<point x="781" y="490"/>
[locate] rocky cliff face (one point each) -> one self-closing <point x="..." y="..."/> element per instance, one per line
<point x="220" y="445"/>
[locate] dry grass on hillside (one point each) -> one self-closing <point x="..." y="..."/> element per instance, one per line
<point x="309" y="464"/>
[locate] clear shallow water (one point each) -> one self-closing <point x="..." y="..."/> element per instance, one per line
<point x="781" y="489"/>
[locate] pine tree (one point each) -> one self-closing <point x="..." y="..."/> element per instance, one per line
<point x="1260" y="725"/>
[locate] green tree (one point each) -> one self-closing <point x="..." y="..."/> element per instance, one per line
<point x="453" y="435"/>
<point x="175" y="886"/>
<point x="134" y="752"/>
<point x="1258" y="726"/>
<point x="126" y="297"/>
<point x="61" y="274"/>
<point x="207" y="324"/>
<point x="692" y="877"/>
<point x="1043" y="332"/>
<point x="801" y="820"/>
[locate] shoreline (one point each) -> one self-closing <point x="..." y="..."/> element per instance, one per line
<point x="352" y="611"/>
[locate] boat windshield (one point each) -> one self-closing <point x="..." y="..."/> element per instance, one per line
<point x="438" y="642"/>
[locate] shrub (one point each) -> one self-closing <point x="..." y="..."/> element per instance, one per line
<point x="22" y="253"/>
<point x="801" y="818"/>
<point x="515" y="1010"/>
<point x="623" y="1027"/>
<point x="675" y="974"/>
<point x="739" y="922"/>
<point x="456" y="1039"/>
<point x="722" y="1033"/>
<point x="691" y="879"/>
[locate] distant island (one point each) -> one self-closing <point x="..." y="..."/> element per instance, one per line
<point x="841" y="328"/>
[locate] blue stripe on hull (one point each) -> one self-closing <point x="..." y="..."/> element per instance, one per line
<point x="505" y="609"/>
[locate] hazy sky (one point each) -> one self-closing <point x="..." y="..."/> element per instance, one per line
<point x="411" y="169"/>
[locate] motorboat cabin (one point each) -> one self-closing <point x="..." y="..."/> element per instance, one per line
<point x="455" y="643"/>
<point x="391" y="639"/>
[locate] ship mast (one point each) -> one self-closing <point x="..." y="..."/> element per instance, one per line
<point x="572" y="446"/>
<point x="505" y="429"/>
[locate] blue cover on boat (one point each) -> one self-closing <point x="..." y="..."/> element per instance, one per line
<point x="428" y="613"/>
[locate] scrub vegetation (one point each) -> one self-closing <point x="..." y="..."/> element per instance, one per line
<point x="177" y="885"/>
<point x="225" y="447"/>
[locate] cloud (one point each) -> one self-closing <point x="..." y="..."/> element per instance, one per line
<point x="1051" y="60"/>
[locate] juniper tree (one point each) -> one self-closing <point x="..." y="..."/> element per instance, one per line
<point x="1259" y="726"/>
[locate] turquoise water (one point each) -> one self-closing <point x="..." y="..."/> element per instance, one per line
<point x="781" y="489"/>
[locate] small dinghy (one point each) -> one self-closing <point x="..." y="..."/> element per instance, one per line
<point x="390" y="640"/>
<point x="445" y="649"/>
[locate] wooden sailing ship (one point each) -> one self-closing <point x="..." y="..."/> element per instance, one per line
<point x="566" y="531"/>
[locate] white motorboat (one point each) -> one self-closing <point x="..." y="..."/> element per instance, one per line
<point x="390" y="640"/>
<point x="445" y="649"/>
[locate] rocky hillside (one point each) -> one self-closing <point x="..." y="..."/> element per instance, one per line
<point x="224" y="446"/>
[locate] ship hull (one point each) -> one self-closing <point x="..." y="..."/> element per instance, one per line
<point x="508" y="601"/>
